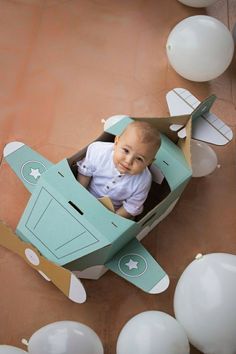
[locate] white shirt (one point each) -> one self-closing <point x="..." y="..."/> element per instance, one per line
<point x="123" y="189"/>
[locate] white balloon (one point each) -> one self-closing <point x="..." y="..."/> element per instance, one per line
<point x="200" y="48"/>
<point x="197" y="3"/>
<point x="205" y="303"/>
<point x="204" y="159"/>
<point x="152" y="332"/>
<point x="8" y="349"/>
<point x="65" y="337"/>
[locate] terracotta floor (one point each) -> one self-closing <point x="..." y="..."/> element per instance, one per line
<point x="65" y="65"/>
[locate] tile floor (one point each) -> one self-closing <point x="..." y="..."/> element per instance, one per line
<point x="65" y="65"/>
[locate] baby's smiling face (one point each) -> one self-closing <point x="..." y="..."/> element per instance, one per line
<point x="131" y="155"/>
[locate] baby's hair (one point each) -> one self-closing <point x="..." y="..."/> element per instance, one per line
<point x="148" y="134"/>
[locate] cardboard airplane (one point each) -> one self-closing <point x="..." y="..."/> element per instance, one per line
<point x="64" y="230"/>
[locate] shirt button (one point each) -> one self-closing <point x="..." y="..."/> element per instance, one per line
<point x="119" y="176"/>
<point x="107" y="187"/>
<point x="113" y="182"/>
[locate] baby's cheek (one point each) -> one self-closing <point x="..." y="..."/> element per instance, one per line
<point x="138" y="169"/>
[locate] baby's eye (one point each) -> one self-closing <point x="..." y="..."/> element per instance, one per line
<point x="139" y="159"/>
<point x="126" y="151"/>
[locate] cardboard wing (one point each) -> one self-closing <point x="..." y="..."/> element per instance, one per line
<point x="61" y="277"/>
<point x="137" y="266"/>
<point x="26" y="163"/>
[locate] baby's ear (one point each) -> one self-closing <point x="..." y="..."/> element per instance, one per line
<point x="116" y="139"/>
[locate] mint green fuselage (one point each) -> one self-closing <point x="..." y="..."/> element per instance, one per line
<point x="71" y="227"/>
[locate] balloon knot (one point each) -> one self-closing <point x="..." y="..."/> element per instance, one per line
<point x="199" y="256"/>
<point x="24" y="341"/>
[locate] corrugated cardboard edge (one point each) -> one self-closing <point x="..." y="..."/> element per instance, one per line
<point x="184" y="144"/>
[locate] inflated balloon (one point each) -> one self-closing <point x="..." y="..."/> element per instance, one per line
<point x="204" y="159"/>
<point x="204" y="303"/>
<point x="152" y="332"/>
<point x="200" y="48"/>
<point x="8" y="349"/>
<point x="197" y="3"/>
<point x="65" y="337"/>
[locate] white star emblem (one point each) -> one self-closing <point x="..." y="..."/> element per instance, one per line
<point x="132" y="264"/>
<point x="35" y="173"/>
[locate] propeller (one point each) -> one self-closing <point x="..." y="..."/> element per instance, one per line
<point x="64" y="280"/>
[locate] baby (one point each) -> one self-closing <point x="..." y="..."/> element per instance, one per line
<point x="119" y="170"/>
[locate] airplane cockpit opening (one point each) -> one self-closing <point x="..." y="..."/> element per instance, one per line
<point x="159" y="190"/>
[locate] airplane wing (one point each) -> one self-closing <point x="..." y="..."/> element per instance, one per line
<point x="66" y="281"/>
<point x="207" y="127"/>
<point x="137" y="266"/>
<point x="26" y="163"/>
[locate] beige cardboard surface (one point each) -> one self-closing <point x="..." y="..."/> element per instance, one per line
<point x="184" y="144"/>
<point x="60" y="276"/>
<point x="163" y="124"/>
<point x="106" y="201"/>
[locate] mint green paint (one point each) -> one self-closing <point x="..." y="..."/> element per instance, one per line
<point x="117" y="128"/>
<point x="172" y="163"/>
<point x="145" y="273"/>
<point x="101" y="256"/>
<point x="63" y="220"/>
<point x="204" y="107"/>
<point x="22" y="160"/>
<point x="97" y="257"/>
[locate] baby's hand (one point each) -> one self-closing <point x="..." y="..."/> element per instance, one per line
<point x="122" y="212"/>
<point x="84" y="180"/>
